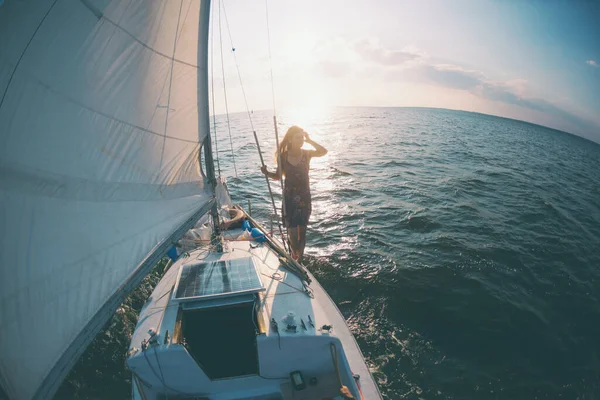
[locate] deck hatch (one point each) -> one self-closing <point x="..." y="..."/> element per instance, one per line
<point x="218" y="278"/>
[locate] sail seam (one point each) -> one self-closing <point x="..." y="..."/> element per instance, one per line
<point x="23" y="180"/>
<point x="112" y="118"/>
<point x="99" y="14"/>
<point x="162" y="154"/>
<point x="23" y="53"/>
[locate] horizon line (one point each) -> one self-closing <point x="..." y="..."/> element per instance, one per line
<point x="429" y="108"/>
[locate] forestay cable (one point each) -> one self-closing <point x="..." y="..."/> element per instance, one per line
<point x="279" y="161"/>
<point x="252" y="124"/>
<point x="225" y="90"/>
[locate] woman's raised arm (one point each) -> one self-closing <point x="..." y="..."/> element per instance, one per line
<point x="319" y="150"/>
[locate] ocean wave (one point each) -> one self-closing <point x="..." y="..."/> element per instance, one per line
<point x="338" y="172"/>
<point x="396" y="163"/>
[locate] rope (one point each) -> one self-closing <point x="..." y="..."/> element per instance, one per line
<point x="225" y="90"/>
<point x="159" y="367"/>
<point x="167" y="387"/>
<point x="344" y="391"/>
<point x="280" y="280"/>
<point x="334" y="358"/>
<point x="212" y="84"/>
<point x="139" y="386"/>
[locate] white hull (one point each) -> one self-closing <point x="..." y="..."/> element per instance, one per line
<point x="166" y="367"/>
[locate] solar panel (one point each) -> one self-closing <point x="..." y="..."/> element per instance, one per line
<point x="218" y="278"/>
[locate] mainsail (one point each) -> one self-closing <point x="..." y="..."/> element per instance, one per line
<point x="103" y="113"/>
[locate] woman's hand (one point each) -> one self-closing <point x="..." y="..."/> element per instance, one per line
<point x="319" y="151"/>
<point x="273" y="175"/>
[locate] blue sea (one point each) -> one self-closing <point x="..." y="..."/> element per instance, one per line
<point x="463" y="250"/>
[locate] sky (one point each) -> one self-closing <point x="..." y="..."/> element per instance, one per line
<point x="537" y="61"/>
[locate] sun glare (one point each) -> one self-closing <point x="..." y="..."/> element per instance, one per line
<point x="306" y="116"/>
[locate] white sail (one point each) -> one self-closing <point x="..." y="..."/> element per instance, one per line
<point x="103" y="111"/>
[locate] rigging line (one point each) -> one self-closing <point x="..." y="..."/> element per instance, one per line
<point x="212" y="82"/>
<point x="270" y="59"/>
<point x="159" y="368"/>
<point x="271" y="193"/>
<point x="279" y="160"/>
<point x="158" y="363"/>
<point x="139" y="386"/>
<point x="237" y="66"/>
<point x="252" y="124"/>
<point x="307" y="290"/>
<point x="280" y="280"/>
<point x="158" y="377"/>
<point x="225" y="90"/>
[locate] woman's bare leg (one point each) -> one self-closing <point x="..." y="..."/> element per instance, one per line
<point x="293" y="236"/>
<point x="301" y="241"/>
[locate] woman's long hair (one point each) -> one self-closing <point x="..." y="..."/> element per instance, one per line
<point x="283" y="146"/>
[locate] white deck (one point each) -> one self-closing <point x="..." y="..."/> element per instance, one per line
<point x="306" y="350"/>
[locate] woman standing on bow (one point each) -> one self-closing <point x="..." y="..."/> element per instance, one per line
<point x="294" y="166"/>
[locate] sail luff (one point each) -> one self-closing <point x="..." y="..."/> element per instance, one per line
<point x="204" y="117"/>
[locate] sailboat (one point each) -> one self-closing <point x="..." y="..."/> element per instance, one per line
<point x="106" y="162"/>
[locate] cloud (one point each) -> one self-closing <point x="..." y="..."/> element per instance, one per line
<point x="592" y="63"/>
<point x="367" y="58"/>
<point x="502" y="94"/>
<point x="452" y="76"/>
<point x="510" y="92"/>
<point x="332" y="69"/>
<point x="333" y="58"/>
<point x="372" y="51"/>
<point x="517" y="86"/>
